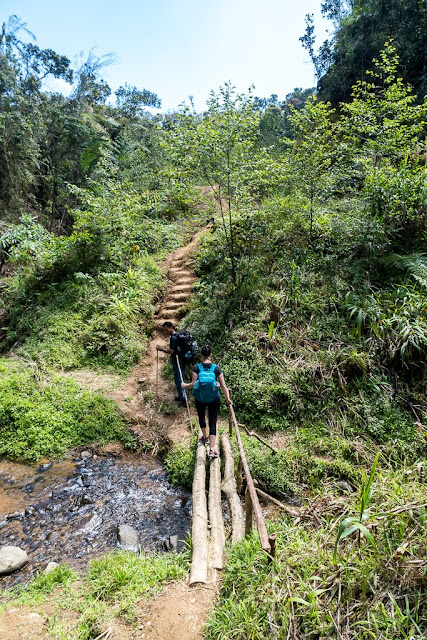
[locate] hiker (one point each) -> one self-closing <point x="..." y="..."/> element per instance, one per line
<point x="184" y="346"/>
<point x="207" y="377"/>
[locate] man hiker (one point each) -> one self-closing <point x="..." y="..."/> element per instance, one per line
<point x="181" y="345"/>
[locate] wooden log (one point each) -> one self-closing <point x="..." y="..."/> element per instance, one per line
<point x="215" y="513"/>
<point x="259" y="518"/>
<point x="199" y="530"/>
<point x="272" y="540"/>
<point x="239" y="477"/>
<point x="248" y="512"/>
<point x="229" y="489"/>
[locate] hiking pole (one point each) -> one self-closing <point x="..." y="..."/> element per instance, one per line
<point x="185" y="394"/>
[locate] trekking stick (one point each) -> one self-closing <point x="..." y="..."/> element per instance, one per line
<point x="185" y="394"/>
<point x="157" y="375"/>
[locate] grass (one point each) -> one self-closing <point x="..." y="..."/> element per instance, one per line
<point x="371" y="593"/>
<point x="179" y="463"/>
<point x="45" y="414"/>
<point x="114" y="586"/>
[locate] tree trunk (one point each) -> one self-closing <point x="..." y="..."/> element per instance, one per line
<point x="229" y="489"/>
<point x="199" y="532"/>
<point x="215" y="514"/>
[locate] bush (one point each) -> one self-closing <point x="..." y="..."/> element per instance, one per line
<point x="41" y="416"/>
<point x="179" y="463"/>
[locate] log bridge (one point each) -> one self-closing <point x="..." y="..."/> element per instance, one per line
<point x="208" y="536"/>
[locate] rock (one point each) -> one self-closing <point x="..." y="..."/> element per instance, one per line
<point x="50" y="567"/>
<point x="85" y="454"/>
<point x="44" y="467"/>
<point x="171" y="543"/>
<point x="15" y="514"/>
<point x="11" y="559"/>
<point x="128" y="538"/>
<point x="345" y="486"/>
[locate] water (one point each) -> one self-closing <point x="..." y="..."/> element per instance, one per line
<point x="68" y="511"/>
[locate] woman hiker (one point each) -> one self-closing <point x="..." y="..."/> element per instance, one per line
<point x="205" y="378"/>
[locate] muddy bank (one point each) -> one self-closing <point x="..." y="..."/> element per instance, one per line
<point x="68" y="511"/>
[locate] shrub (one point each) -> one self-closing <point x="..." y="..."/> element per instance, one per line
<point x="41" y="416"/>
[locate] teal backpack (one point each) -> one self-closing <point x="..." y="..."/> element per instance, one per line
<point x="204" y="389"/>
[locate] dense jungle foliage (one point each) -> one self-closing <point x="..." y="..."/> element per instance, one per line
<point x="312" y="291"/>
<point x="359" y="30"/>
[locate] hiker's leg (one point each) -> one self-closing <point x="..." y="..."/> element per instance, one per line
<point x="177" y="378"/>
<point x="213" y="410"/>
<point x="201" y="410"/>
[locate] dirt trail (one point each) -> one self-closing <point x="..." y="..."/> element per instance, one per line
<point x="146" y="398"/>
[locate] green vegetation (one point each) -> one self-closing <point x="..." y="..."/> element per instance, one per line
<point x="179" y="463"/>
<point x="312" y="292"/>
<point x="46" y="416"/>
<point x="321" y="335"/>
<point x="112" y="587"/>
<point x="358" y="31"/>
<point x="374" y="591"/>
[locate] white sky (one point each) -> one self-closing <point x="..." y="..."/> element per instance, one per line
<point x="181" y="48"/>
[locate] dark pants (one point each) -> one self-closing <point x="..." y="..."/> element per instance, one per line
<point x="213" y="410"/>
<point x="177" y="376"/>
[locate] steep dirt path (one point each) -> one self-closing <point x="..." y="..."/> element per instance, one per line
<point x="147" y="398"/>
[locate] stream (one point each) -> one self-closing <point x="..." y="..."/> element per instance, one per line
<point x="69" y="510"/>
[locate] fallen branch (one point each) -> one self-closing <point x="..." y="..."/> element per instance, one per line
<point x="255" y="435"/>
<point x="290" y="510"/>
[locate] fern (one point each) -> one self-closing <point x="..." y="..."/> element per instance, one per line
<point x="414" y="263"/>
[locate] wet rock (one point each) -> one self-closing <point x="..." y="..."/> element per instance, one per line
<point x="91" y="526"/>
<point x="50" y="567"/>
<point x="345" y="486"/>
<point x="44" y="467"/>
<point x="128" y="538"/>
<point x="171" y="543"/>
<point x="15" y="515"/>
<point x="11" y="559"/>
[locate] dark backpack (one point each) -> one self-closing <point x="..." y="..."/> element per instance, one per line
<point x="186" y="346"/>
<point x="204" y="389"/>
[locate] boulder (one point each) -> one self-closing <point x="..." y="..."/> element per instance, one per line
<point x="11" y="559"/>
<point x="128" y="538"/>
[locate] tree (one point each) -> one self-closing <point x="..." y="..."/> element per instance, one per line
<point x="314" y="150"/>
<point x="219" y="145"/>
<point x="360" y="29"/>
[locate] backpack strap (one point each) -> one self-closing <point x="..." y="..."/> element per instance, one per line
<point x="213" y="367"/>
<point x="200" y="367"/>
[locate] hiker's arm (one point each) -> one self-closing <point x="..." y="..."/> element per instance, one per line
<point x="224" y="388"/>
<point x="165" y="349"/>
<point x="190" y="385"/>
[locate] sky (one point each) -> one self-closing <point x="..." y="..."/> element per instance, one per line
<point x="184" y="48"/>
